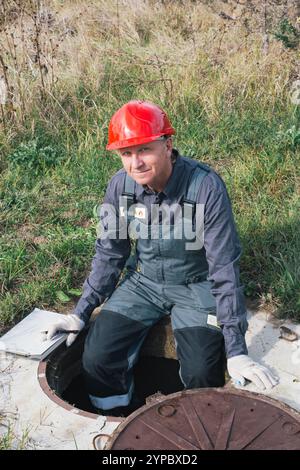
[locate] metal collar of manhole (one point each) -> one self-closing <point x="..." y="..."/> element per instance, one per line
<point x="208" y="419"/>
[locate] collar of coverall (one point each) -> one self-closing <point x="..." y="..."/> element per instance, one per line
<point x="172" y="184"/>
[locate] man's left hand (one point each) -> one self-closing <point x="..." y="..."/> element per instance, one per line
<point x="243" y="367"/>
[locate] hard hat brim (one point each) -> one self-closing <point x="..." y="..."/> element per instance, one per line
<point x="136" y="141"/>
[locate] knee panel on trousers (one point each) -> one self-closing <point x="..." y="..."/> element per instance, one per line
<point x="201" y="355"/>
<point x="111" y="348"/>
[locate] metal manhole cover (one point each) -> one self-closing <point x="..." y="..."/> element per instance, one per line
<point x="209" y="419"/>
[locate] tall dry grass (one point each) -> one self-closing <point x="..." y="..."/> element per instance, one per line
<point x="226" y="82"/>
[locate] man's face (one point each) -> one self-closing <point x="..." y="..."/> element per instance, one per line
<point x="149" y="164"/>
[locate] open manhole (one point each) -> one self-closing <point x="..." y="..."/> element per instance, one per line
<point x="208" y="419"/>
<point x="61" y="377"/>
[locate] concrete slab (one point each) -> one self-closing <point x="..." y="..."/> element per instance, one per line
<point x="280" y="355"/>
<point x="31" y="412"/>
<point x="49" y="426"/>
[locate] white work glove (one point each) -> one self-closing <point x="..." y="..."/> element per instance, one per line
<point x="67" y="323"/>
<point x="243" y="367"/>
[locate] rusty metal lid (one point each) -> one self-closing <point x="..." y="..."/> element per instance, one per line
<point x="209" y="419"/>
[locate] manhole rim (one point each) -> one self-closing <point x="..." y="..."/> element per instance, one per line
<point x="51" y="394"/>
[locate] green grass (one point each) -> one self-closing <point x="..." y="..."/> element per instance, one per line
<point x="9" y="440"/>
<point x="232" y="112"/>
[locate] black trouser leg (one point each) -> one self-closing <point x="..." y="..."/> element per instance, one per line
<point x="201" y="354"/>
<point x="110" y="351"/>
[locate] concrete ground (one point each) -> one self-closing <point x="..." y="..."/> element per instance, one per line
<point x="280" y="355"/>
<point x="44" y="424"/>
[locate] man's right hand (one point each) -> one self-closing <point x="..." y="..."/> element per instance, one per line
<point x="67" y="323"/>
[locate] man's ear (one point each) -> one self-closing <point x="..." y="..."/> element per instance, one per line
<point x="169" y="144"/>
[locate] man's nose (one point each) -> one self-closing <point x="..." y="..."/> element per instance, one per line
<point x="136" y="161"/>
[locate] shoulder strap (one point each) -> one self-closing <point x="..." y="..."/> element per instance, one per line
<point x="194" y="183"/>
<point x="196" y="178"/>
<point x="129" y="185"/>
<point x="128" y="195"/>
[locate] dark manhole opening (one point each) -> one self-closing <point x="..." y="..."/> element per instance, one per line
<point x="151" y="375"/>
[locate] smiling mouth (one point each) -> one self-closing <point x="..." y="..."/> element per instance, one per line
<point x="140" y="172"/>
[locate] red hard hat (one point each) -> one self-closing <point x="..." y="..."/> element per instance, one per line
<point x="137" y="122"/>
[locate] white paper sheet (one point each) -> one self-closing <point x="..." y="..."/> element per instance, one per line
<point x="26" y="339"/>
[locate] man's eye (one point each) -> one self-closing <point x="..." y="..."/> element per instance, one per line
<point x="144" y="149"/>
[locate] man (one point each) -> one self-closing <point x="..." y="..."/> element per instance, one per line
<point x="186" y="267"/>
